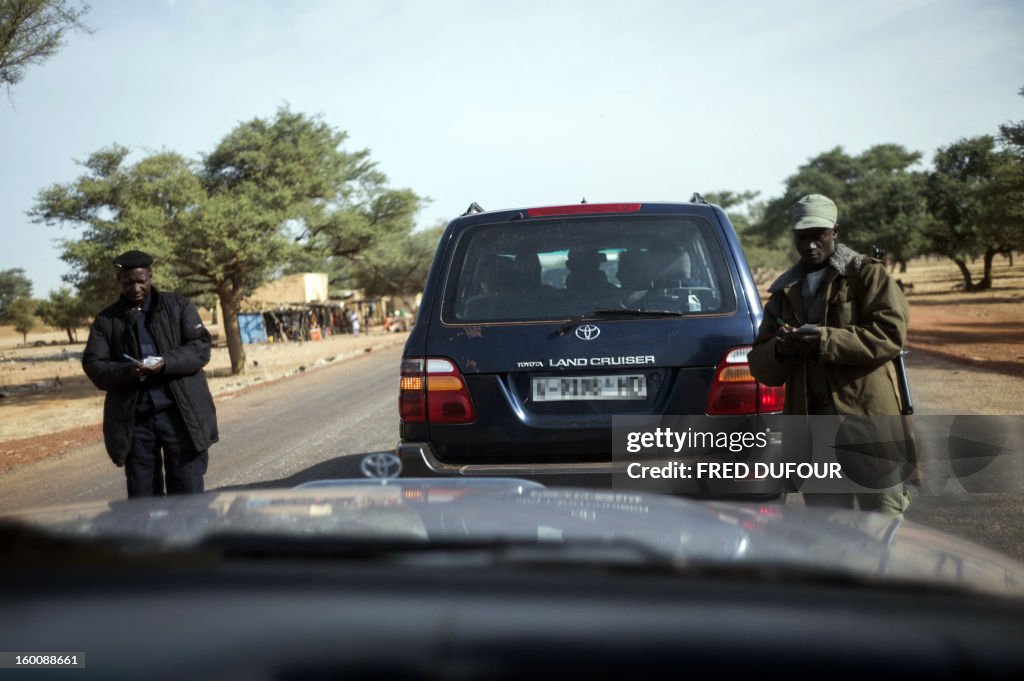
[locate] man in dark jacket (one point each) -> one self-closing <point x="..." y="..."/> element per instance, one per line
<point x="147" y="351"/>
<point x="833" y="325"/>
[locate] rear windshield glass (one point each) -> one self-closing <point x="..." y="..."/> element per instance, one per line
<point x="555" y="269"/>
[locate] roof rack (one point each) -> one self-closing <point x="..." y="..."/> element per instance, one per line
<point x="697" y="198"/>
<point x="473" y="208"/>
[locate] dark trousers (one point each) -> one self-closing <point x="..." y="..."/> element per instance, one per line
<point x="182" y="466"/>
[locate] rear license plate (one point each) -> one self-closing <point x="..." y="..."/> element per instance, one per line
<point x="566" y="388"/>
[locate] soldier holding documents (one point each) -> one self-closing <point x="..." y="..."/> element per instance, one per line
<point x="833" y="325"/>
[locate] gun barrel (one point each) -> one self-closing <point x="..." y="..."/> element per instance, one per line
<point x="904" y="384"/>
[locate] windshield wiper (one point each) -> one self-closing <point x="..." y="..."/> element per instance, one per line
<point x="606" y="312"/>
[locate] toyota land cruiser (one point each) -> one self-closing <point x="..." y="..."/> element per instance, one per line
<point x="539" y="325"/>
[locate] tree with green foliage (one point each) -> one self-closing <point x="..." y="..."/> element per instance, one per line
<point x="122" y="206"/>
<point x="366" y="235"/>
<point x="766" y="253"/>
<point x="32" y="31"/>
<point x="1012" y="134"/>
<point x="13" y="285"/>
<point x="880" y="196"/>
<point x="737" y="205"/>
<point x="396" y="264"/>
<point x="1010" y="183"/>
<point x="64" y="310"/>
<point x="887" y="206"/>
<point x="966" y="197"/>
<point x="22" y="313"/>
<point x="228" y="223"/>
<point x="266" y="180"/>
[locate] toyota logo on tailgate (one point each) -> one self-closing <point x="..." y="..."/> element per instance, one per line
<point x="588" y="332"/>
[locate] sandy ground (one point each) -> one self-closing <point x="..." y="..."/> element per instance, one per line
<point x="984" y="329"/>
<point x="48" y="405"/>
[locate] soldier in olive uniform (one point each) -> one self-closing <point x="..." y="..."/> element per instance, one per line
<point x="833" y="325"/>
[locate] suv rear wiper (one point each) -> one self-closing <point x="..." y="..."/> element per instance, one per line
<point x="602" y="312"/>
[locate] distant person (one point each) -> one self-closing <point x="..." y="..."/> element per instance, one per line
<point x="586" y="281"/>
<point x="833" y="325"/>
<point x="147" y="351"/>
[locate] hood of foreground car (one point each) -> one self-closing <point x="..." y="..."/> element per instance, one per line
<point x="688" y="533"/>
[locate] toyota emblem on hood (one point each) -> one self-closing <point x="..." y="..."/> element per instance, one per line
<point x="587" y="332"/>
<point x="381" y="465"/>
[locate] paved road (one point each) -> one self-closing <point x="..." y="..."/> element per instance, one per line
<point x="303" y="428"/>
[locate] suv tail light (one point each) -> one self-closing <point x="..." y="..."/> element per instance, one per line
<point x="432" y="390"/>
<point x="736" y="391"/>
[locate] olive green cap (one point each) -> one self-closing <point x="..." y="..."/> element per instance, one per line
<point x="814" y="211"/>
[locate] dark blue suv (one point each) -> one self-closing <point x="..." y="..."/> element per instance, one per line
<point x="537" y="326"/>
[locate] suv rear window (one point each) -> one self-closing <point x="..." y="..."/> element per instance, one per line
<point x="561" y="268"/>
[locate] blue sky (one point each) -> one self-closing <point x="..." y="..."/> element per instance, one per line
<point x="515" y="103"/>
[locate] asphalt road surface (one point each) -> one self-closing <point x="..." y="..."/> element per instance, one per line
<point x="304" y="428"/>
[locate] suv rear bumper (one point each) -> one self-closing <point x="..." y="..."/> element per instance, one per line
<point x="420" y="461"/>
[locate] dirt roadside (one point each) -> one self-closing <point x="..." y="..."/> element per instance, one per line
<point x="50" y="407"/>
<point x="984" y="329"/>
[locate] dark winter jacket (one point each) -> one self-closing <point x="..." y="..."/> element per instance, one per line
<point x="182" y="341"/>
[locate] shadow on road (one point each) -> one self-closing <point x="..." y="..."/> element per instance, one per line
<point x="342" y="467"/>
